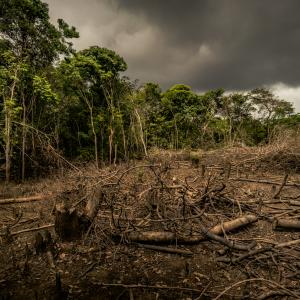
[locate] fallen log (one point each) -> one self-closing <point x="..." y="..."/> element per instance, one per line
<point x="265" y="181"/>
<point x="25" y="199"/>
<point x="288" y="244"/>
<point x="32" y="229"/>
<point x="161" y="237"/>
<point x="234" y="224"/>
<point x="166" y="249"/>
<point x="276" y="195"/>
<point x="244" y="256"/>
<point x="228" y="243"/>
<point x="157" y="237"/>
<point x="156" y="287"/>
<point x="286" y="224"/>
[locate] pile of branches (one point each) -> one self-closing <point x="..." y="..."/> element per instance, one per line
<point x="148" y="206"/>
<point x="174" y="208"/>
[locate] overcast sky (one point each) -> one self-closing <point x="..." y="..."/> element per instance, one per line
<point x="207" y="44"/>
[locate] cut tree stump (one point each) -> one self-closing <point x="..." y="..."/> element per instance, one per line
<point x="70" y="224"/>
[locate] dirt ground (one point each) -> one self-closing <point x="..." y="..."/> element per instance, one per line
<point x="174" y="192"/>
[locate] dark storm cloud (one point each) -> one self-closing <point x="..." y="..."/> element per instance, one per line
<point x="234" y="44"/>
<point x="246" y="43"/>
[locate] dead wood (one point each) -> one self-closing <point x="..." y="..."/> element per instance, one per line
<point x="166" y="249"/>
<point x="169" y="237"/>
<point x="286" y="224"/>
<point x="70" y="224"/>
<point x="92" y="206"/>
<point x="161" y="237"/>
<point x="288" y="244"/>
<point x="264" y="181"/>
<point x="25" y="199"/>
<point x="270" y="282"/>
<point x="32" y="229"/>
<point x="234" y="224"/>
<point x="50" y="259"/>
<point x="39" y="244"/>
<point x="203" y="167"/>
<point x="228" y="243"/>
<point x="276" y="195"/>
<point x="272" y="294"/>
<point x="244" y="256"/>
<point x="142" y="286"/>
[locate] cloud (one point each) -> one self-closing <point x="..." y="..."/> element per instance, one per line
<point x="234" y="44"/>
<point x="288" y="93"/>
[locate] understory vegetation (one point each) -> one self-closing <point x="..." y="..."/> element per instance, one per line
<point x="59" y="105"/>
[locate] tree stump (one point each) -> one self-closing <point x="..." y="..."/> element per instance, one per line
<point x="71" y="224"/>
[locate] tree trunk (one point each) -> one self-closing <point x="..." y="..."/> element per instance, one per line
<point x="141" y="131"/>
<point x="90" y="106"/>
<point x="7" y="143"/>
<point x="110" y="138"/>
<point x="23" y="138"/>
<point x="8" y="128"/>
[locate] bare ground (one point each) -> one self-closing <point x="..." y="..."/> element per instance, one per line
<point x="162" y="193"/>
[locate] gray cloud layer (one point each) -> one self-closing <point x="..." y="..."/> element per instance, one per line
<point x="235" y="44"/>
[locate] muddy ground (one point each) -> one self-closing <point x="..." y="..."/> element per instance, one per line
<point x="173" y="192"/>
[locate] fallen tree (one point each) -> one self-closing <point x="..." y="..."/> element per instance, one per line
<point x="157" y="237"/>
<point x="25" y="199"/>
<point x="286" y="224"/>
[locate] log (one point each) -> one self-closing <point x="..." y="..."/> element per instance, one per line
<point x="32" y="229"/>
<point x="234" y="224"/>
<point x="244" y="256"/>
<point x="166" y="249"/>
<point x="228" y="243"/>
<point x="158" y="237"/>
<point x="276" y="195"/>
<point x="288" y="244"/>
<point x="286" y="224"/>
<point x="265" y="181"/>
<point x="24" y="199"/>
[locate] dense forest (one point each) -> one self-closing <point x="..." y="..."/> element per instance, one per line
<point x="59" y="105"/>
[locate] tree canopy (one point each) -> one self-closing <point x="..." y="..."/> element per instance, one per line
<point x="58" y="104"/>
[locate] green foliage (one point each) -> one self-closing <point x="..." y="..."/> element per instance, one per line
<point x="43" y="89"/>
<point x="80" y="105"/>
<point x="26" y="28"/>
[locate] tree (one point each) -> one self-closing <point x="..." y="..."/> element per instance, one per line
<point x="25" y="26"/>
<point x="33" y="43"/>
<point x="92" y="75"/>
<point x="9" y="73"/>
<point x="236" y="109"/>
<point x="188" y="114"/>
<point x="268" y="107"/>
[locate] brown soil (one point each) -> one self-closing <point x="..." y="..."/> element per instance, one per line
<point x="161" y="193"/>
